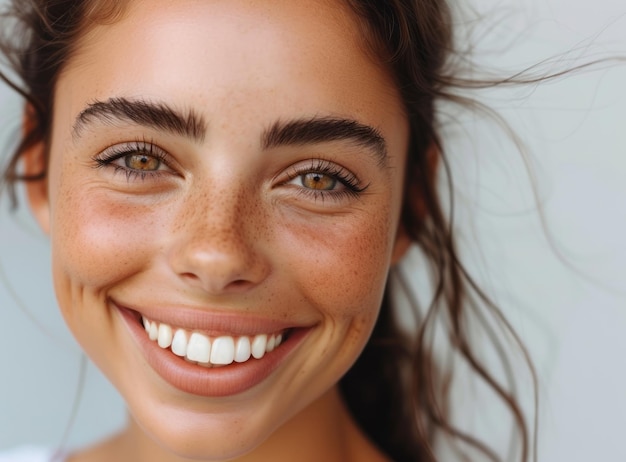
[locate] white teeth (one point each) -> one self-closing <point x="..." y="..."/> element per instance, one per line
<point x="258" y="346"/>
<point x="153" y="333"/>
<point x="242" y="352"/>
<point x="179" y="343"/>
<point x="165" y="336"/>
<point x="223" y="351"/>
<point x="199" y="348"/>
<point x="271" y="344"/>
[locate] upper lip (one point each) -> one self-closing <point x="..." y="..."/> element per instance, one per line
<point x="209" y="321"/>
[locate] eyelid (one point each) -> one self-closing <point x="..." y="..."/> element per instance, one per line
<point x="126" y="148"/>
<point x="108" y="156"/>
<point x="352" y="186"/>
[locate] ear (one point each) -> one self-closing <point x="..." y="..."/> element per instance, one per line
<point x="34" y="164"/>
<point x="416" y="203"/>
<point x="401" y="246"/>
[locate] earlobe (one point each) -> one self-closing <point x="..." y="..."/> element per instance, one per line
<point x="34" y="164"/>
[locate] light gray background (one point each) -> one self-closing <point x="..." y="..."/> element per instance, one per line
<point x="573" y="324"/>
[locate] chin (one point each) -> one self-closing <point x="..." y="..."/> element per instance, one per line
<point x="201" y="437"/>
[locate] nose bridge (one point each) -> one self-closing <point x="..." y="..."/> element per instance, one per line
<point x="215" y="214"/>
<point x="216" y="243"/>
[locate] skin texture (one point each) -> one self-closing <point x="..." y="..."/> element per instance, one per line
<point x="225" y="227"/>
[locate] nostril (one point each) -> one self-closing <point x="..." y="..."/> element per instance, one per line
<point x="190" y="276"/>
<point x="239" y="284"/>
<point x="216" y="283"/>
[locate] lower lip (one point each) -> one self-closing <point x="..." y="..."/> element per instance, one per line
<point x="210" y="382"/>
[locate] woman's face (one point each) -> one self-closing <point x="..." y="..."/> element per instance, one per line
<point x="231" y="170"/>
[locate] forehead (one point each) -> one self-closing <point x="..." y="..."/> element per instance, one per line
<point x="281" y="55"/>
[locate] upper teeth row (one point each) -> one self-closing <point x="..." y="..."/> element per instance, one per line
<point x="199" y="348"/>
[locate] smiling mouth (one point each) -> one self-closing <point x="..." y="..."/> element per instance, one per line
<point x="222" y="355"/>
<point x="212" y="351"/>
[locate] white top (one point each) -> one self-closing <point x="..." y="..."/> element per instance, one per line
<point x="30" y="454"/>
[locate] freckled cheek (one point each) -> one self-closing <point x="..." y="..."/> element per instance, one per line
<point x="346" y="269"/>
<point x="97" y="241"/>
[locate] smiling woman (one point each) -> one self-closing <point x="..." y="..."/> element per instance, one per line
<point x="226" y="191"/>
<point x="207" y="225"/>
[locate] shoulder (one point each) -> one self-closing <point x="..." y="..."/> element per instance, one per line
<point x="27" y="454"/>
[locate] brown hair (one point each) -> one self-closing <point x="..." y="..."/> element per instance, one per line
<point x="396" y="390"/>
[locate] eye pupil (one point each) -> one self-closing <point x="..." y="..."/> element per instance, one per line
<point x="142" y="162"/>
<point x="319" y="181"/>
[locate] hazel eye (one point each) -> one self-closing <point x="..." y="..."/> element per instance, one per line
<point x="138" y="160"/>
<point x="318" y="181"/>
<point x="142" y="162"/>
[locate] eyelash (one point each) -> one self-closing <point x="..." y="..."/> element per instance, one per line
<point x="351" y="183"/>
<point x="110" y="155"/>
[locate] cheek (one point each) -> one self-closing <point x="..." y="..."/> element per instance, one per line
<point x="343" y="266"/>
<point x="97" y="241"/>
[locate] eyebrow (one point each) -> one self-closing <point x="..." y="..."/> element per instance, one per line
<point x="145" y="113"/>
<point x="192" y="125"/>
<point x="325" y="129"/>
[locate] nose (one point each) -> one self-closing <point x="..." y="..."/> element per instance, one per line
<point x="217" y="245"/>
